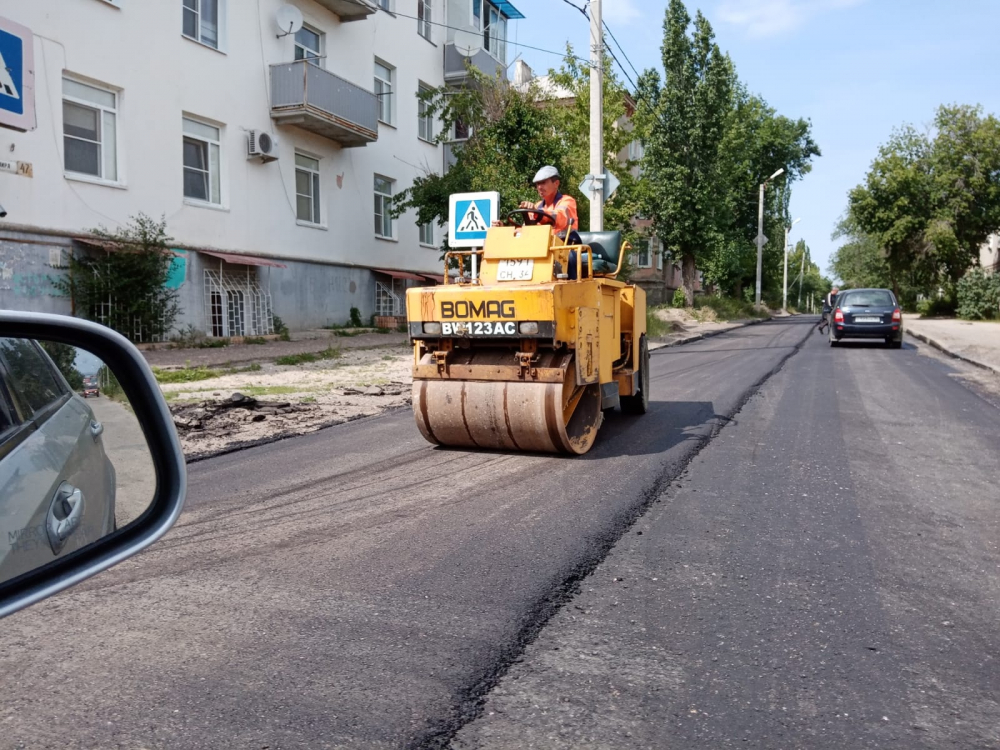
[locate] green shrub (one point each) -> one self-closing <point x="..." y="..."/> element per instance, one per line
<point x="978" y="296"/>
<point x="355" y="317"/>
<point x="729" y="308"/>
<point x="280" y="328"/>
<point x="679" y="299"/>
<point x="187" y="375"/>
<point x="656" y="328"/>
<point x="937" y="307"/>
<point x="254" y="340"/>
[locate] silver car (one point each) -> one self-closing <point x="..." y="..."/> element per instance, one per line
<point x="57" y="485"/>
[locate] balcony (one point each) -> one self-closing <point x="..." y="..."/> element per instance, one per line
<point x="454" y="65"/>
<point x="349" y="10"/>
<point x="316" y="100"/>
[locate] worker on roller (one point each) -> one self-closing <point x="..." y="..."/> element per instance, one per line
<point x="563" y="207"/>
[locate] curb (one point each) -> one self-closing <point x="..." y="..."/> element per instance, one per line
<point x="707" y="335"/>
<point x="945" y="350"/>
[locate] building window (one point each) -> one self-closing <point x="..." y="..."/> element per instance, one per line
<point x="424" y="18"/>
<point x="425" y="118"/>
<point x="642" y="259"/>
<point x="201" y="21"/>
<point x="461" y="131"/>
<point x="385" y="5"/>
<point x="486" y="18"/>
<point x="384" y="75"/>
<point x="90" y="130"/>
<point x="309" y="45"/>
<point x="307" y="200"/>
<point x="383" y="207"/>
<point x="427" y="233"/>
<point x="202" y="162"/>
<point x="657" y="250"/>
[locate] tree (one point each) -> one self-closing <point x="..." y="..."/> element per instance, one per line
<point x="686" y="118"/>
<point x="64" y="356"/>
<point x="511" y="137"/>
<point x="931" y="199"/>
<point x="805" y="279"/>
<point x="124" y="285"/>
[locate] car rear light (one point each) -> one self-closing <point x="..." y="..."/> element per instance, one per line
<point x="838" y="316"/>
<point x="434" y="329"/>
<point x="897" y="315"/>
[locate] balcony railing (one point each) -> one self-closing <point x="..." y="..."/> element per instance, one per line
<point x="321" y="102"/>
<point x="454" y="64"/>
<point x="350" y="10"/>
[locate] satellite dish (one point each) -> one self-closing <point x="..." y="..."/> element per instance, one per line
<point x="289" y="19"/>
<point x="468" y="43"/>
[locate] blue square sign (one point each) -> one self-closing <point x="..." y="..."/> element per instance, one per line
<point x="470" y="215"/>
<point x="17" y="76"/>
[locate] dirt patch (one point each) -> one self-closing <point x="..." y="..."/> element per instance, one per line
<point x="277" y="401"/>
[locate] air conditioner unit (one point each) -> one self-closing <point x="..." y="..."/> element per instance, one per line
<point x="262" y="145"/>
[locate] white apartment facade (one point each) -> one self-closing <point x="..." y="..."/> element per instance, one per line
<point x="155" y="106"/>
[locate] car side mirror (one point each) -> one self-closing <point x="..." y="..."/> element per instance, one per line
<point x="91" y="470"/>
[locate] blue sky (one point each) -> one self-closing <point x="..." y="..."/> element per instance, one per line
<point x="856" y="68"/>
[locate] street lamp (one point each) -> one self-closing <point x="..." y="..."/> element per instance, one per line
<point x="784" y="286"/>
<point x="761" y="239"/>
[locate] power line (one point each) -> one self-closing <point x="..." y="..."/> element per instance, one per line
<point x="394" y="13"/>
<point x="620" y="49"/>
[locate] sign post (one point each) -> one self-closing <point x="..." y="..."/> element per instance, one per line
<point x="469" y="217"/>
<point x="17" y="76"/>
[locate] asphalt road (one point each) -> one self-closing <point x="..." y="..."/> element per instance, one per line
<point x="359" y="588"/>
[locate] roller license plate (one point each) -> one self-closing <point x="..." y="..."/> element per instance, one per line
<point x="867" y="319"/>
<point x="480" y="328"/>
<point x="515" y="270"/>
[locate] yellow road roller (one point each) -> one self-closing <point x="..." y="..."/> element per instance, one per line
<point x="526" y="351"/>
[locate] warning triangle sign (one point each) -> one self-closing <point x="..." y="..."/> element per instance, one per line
<point x="473" y="220"/>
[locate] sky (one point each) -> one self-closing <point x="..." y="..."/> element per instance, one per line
<point x="856" y="68"/>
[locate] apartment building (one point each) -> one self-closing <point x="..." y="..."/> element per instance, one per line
<point x="272" y="136"/>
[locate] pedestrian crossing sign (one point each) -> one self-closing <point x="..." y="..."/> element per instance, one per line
<point x="17" y="76"/>
<point x="469" y="216"/>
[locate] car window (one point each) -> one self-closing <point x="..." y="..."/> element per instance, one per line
<point x="874" y="298"/>
<point x="32" y="380"/>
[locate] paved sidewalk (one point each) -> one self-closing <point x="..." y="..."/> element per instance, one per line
<point x="306" y="341"/>
<point x="977" y="343"/>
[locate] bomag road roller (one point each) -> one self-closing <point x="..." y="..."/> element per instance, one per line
<point x="528" y="352"/>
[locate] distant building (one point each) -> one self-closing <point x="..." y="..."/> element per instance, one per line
<point x="989" y="254"/>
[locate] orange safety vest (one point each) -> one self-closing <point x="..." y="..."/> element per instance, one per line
<point x="564" y="207"/>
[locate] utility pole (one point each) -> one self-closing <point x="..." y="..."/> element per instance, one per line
<point x="596" y="117"/>
<point x="761" y="239"/>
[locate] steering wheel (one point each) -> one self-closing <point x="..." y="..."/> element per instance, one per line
<point x="523" y="212"/>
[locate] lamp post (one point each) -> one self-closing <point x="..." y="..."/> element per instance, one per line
<point x="784" y="284"/>
<point x="761" y="239"/>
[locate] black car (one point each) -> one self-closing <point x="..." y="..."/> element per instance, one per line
<point x="868" y="314"/>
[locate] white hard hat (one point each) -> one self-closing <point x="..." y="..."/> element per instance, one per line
<point x="545" y="173"/>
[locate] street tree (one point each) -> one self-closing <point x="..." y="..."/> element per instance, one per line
<point x="686" y="117"/>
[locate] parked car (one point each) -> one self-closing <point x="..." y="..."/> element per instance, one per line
<point x="867" y="314"/>
<point x="57" y="485"/>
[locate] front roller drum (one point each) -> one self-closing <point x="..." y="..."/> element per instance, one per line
<point x="508" y="415"/>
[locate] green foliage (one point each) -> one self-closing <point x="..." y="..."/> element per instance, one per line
<point x="730" y="308"/>
<point x="355" y="317"/>
<point x="679" y="299"/>
<point x="305" y="357"/>
<point x="64" y="355"/>
<point x="511" y="138"/>
<point x="710" y="144"/>
<point x="109" y="384"/>
<point x="254" y="340"/>
<point x="185" y="375"/>
<point x="656" y="328"/>
<point x="931" y="199"/>
<point x="937" y="307"/>
<point x="280" y="328"/>
<point x="132" y="275"/>
<point x="978" y="296"/>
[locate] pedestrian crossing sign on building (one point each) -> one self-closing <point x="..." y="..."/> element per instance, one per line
<point x="469" y="216"/>
<point x="17" y="76"/>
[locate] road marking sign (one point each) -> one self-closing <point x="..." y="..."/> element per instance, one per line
<point x="469" y="216"/>
<point x="611" y="184"/>
<point x="17" y="76"/>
